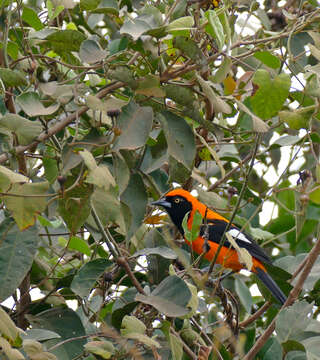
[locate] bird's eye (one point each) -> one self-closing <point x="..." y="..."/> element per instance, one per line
<point x="177" y="200"/>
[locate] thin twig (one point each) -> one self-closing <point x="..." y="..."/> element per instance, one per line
<point x="122" y="261"/>
<point x="105" y="234"/>
<point x="255" y="316"/>
<point x="186" y="348"/>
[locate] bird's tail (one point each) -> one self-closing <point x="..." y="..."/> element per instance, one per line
<point x="271" y="285"/>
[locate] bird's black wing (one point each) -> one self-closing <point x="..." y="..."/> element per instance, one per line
<point x="216" y="229"/>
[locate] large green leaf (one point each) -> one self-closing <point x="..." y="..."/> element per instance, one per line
<point x="66" y="40"/>
<point x="271" y="94"/>
<point x="89" y="273"/>
<point x="32" y="106"/>
<point x="136" y="199"/>
<point x="271" y="350"/>
<point x="91" y="52"/>
<point x="293" y="320"/>
<point x="98" y="174"/>
<point x="66" y="323"/>
<point x="74" y="206"/>
<point x="17" y="250"/>
<point x="180" y="138"/>
<point x="170" y="297"/>
<point x="24" y="129"/>
<point x="135" y="28"/>
<point x="135" y="124"/>
<point x="215" y="28"/>
<point x="27" y="201"/>
<point x="9" y="177"/>
<point x="291" y="263"/>
<point x="31" y="18"/>
<point x="12" y="77"/>
<point x="108" y="208"/>
<point x="244" y="294"/>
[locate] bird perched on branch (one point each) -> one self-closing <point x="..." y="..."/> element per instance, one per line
<point x="178" y="203"/>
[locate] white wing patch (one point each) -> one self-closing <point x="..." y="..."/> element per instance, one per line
<point x="238" y="235"/>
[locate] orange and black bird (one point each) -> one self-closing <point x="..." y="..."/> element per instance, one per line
<point x="179" y="202"/>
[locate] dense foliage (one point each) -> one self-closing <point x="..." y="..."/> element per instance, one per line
<point x="107" y="104"/>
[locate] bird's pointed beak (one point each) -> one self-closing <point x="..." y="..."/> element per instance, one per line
<point x="162" y="202"/>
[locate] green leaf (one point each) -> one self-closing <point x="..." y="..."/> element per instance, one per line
<point x="107" y="7"/>
<point x="296" y="355"/>
<point x="40" y="335"/>
<point x="268" y="59"/>
<point x="104" y="349"/>
<point x="223" y="71"/>
<point x="13" y="50"/>
<point x="218" y="105"/>
<point x="66" y="40"/>
<point x="150" y="86"/>
<point x="31" y="18"/>
<point x="215" y="28"/>
<point x="121" y="172"/>
<point x="295" y="119"/>
<point x="134" y="28"/>
<point x="12" y="78"/>
<point x="108" y="208"/>
<point x="117" y="45"/>
<point x="74" y="207"/>
<point x="176" y="347"/>
<point x="98" y="175"/>
<point x="123" y="73"/>
<point x="180" y="94"/>
<point x="286" y="140"/>
<point x="144" y="339"/>
<point x="9" y="177"/>
<point x="181" y="26"/>
<point x="190" y="48"/>
<point x="89" y="4"/>
<point x="66" y="323"/>
<point x="244" y="294"/>
<point x="311" y="345"/>
<point x="293" y="320"/>
<point x="163" y="251"/>
<point x="271" y="350"/>
<point x="134" y="123"/>
<point x="291" y="263"/>
<point x="79" y="244"/>
<point x="91" y="52"/>
<point x="16" y="247"/>
<point x="25" y="130"/>
<point x="180" y="138"/>
<point x="32" y="106"/>
<point x="87" y="276"/>
<point x="130" y="324"/>
<point x="136" y="199"/>
<point x="197" y="221"/>
<point x="8" y="328"/>
<point x="315" y="195"/>
<point x="271" y="95"/>
<point x="27" y="205"/>
<point x="211" y="199"/>
<point x="170" y="297"/>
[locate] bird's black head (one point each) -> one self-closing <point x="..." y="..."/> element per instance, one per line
<point x="177" y="206"/>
